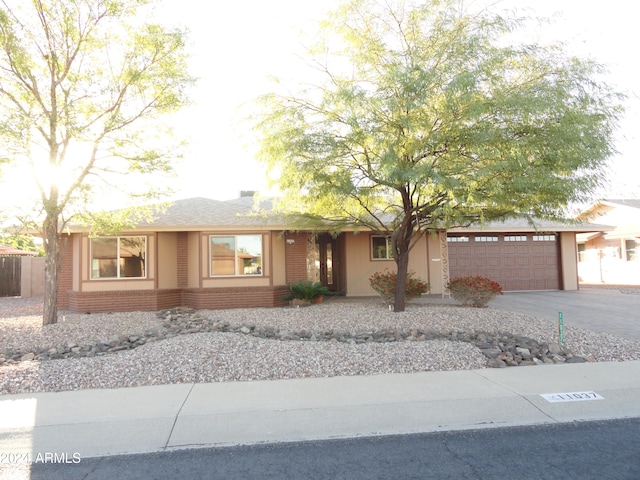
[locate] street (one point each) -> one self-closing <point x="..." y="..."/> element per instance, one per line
<point x="578" y="450"/>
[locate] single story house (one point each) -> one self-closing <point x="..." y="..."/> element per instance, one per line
<point x="205" y="253"/>
<point x="611" y="256"/>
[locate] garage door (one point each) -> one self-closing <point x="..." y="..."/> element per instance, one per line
<point x="516" y="261"/>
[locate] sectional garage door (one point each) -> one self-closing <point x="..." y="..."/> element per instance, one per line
<point x="516" y="261"/>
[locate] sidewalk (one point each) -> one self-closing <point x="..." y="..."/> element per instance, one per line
<point x="150" y="419"/>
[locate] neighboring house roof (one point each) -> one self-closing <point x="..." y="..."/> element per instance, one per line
<point x="9" y="251"/>
<point x="634" y="203"/>
<point x="621" y="215"/>
<point x="595" y="207"/>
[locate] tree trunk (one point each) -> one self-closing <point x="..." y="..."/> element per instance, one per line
<point x="401" y="249"/>
<point x="52" y="249"/>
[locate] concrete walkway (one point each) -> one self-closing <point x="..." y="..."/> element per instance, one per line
<point x="151" y="419"/>
<point x="599" y="309"/>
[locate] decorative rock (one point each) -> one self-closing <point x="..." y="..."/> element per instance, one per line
<point x="500" y="349"/>
<point x="554" y="349"/>
<point x="491" y="352"/>
<point x="576" y="359"/>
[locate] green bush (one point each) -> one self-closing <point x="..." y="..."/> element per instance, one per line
<point x="384" y="283"/>
<point x="474" y="291"/>
<point x="306" y="290"/>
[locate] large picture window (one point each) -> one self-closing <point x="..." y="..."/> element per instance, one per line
<point x="236" y="255"/>
<point x="118" y="257"/>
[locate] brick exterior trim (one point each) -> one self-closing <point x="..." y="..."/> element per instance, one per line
<point x="154" y="300"/>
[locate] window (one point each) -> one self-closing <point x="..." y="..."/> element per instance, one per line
<point x="630" y="249"/>
<point x="457" y="239"/>
<point x="544" y="238"/>
<point x="515" y="238"/>
<point x="236" y="255"/>
<point x="582" y="252"/>
<point x="118" y="257"/>
<point x="381" y="248"/>
<point x="484" y="238"/>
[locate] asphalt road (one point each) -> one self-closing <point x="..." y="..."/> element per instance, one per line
<point x="582" y="451"/>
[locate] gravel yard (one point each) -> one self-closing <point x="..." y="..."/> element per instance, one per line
<point x="216" y="356"/>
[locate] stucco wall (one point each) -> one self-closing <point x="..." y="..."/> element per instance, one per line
<point x="569" y="260"/>
<point x="32" y="276"/>
<point x="167" y="258"/>
<point x="360" y="265"/>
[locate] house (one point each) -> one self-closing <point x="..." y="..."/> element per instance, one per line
<point x="611" y="256"/>
<point x="205" y="253"/>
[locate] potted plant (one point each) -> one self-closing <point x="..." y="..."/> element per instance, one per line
<point x="305" y="292"/>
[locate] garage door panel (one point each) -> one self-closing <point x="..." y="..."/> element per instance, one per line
<point x="515" y="264"/>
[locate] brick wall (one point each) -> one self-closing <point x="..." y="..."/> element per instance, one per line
<point x="183" y="259"/>
<point x="296" y="256"/>
<point x="66" y="273"/>
<point x="124" y="300"/>
<point x="154" y="300"/>
<point x="240" y="297"/>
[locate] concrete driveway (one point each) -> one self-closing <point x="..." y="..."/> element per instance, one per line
<point x="597" y="309"/>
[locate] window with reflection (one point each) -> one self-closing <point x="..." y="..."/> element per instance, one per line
<point x="235" y="255"/>
<point x="118" y="257"/>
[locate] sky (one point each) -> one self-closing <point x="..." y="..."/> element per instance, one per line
<point x="238" y="45"/>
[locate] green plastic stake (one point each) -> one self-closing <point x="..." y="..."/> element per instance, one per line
<point x="561" y="327"/>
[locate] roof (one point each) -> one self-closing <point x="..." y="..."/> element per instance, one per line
<point x="9" y="251"/>
<point x="201" y="213"/>
<point x="204" y="213"/>
<point x="523" y="225"/>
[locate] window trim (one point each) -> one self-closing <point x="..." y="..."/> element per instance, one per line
<point x="389" y="253"/>
<point x="118" y="277"/>
<point x="235" y="237"/>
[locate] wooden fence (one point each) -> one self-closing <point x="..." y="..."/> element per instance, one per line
<point x="22" y="276"/>
<point x="10" y="276"/>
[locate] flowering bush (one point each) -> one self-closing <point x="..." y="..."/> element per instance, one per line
<point x="475" y="291"/>
<point x="384" y="283"/>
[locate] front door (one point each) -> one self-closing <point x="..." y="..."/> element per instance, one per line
<point x="328" y="255"/>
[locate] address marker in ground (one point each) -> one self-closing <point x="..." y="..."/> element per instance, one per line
<point x="571" y="397"/>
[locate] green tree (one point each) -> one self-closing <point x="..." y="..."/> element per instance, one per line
<point x="22" y="242"/>
<point x="84" y="87"/>
<point x="430" y="117"/>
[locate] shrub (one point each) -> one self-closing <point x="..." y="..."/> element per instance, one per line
<point x="475" y="291"/>
<point x="306" y="290"/>
<point x="384" y="283"/>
